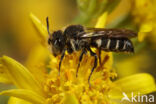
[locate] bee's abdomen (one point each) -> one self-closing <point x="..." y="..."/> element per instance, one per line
<point x="114" y="44"/>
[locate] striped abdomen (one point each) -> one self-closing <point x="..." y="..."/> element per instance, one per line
<point x="113" y="44"/>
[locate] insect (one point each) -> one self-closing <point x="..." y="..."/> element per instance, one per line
<point x="78" y="38"/>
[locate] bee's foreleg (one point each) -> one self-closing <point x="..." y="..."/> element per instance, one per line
<point x="62" y="56"/>
<point x="99" y="56"/>
<point x="95" y="63"/>
<point x="80" y="59"/>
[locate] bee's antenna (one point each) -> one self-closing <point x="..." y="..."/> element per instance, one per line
<point x="47" y="20"/>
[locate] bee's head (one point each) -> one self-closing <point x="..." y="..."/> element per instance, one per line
<point x="57" y="42"/>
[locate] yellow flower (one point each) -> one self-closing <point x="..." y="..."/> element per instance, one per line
<point x="143" y="13"/>
<point x="40" y="87"/>
<point x="57" y="90"/>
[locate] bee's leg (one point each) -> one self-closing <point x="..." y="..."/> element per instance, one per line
<point x="95" y="63"/>
<point x="80" y="59"/>
<point x="62" y="56"/>
<point x="100" y="56"/>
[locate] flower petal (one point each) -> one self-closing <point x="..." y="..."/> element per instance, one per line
<point x="19" y="75"/>
<point x="119" y="14"/>
<point x="40" y="27"/>
<point x="14" y="100"/>
<point x="144" y="29"/>
<point x="38" y="63"/>
<point x="27" y="95"/>
<point x="4" y="79"/>
<point x="3" y="76"/>
<point x="140" y="83"/>
<point x="101" y="20"/>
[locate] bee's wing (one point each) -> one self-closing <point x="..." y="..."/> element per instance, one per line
<point x="101" y="32"/>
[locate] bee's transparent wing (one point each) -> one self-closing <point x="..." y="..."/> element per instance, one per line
<point x="101" y="32"/>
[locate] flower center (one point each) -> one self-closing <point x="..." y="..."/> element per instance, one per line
<point x="58" y="87"/>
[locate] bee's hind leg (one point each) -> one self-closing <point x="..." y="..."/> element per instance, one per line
<point x="62" y="56"/>
<point x="80" y="59"/>
<point x="99" y="55"/>
<point x="95" y="63"/>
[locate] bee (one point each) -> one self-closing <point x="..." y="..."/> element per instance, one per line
<point x="79" y="38"/>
